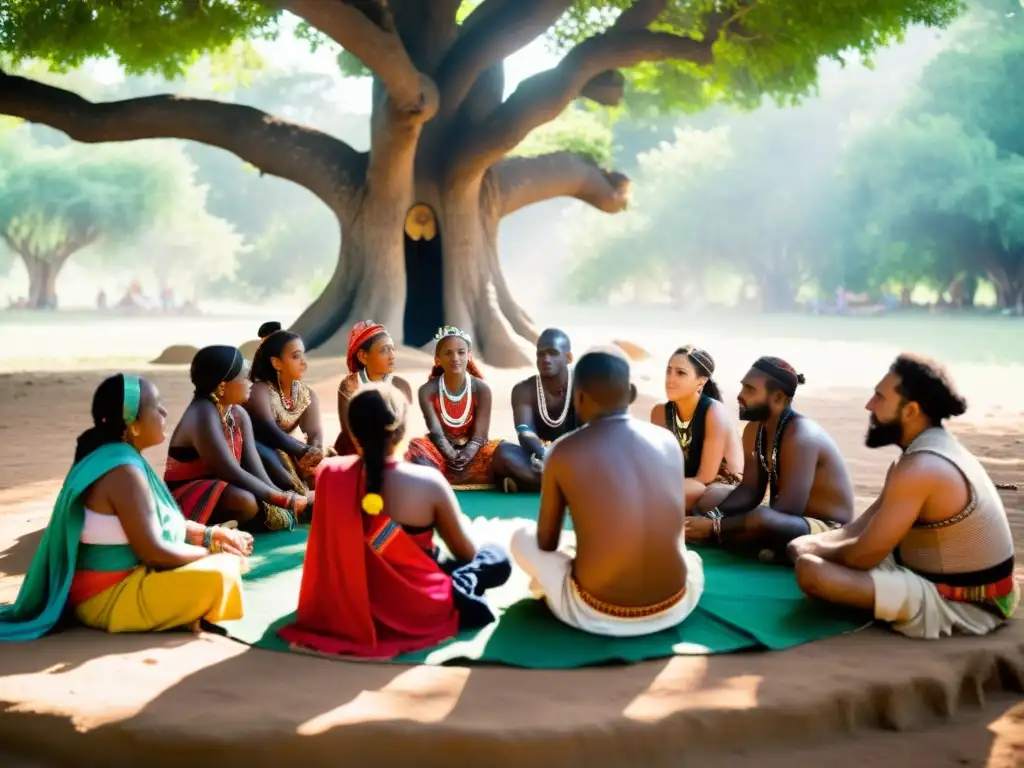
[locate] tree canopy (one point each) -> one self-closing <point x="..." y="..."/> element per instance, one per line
<point x="776" y="49"/>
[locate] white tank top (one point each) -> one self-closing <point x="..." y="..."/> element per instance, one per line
<point x="98" y="528"/>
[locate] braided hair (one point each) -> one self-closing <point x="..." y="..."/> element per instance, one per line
<point x="376" y="418"/>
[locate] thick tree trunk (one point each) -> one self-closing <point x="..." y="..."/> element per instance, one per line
<point x="370" y="281"/>
<point x="42" y="281"/>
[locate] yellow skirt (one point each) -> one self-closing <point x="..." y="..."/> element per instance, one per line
<point x="152" y="601"/>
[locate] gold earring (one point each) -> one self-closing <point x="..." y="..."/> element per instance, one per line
<point x="134" y="430"/>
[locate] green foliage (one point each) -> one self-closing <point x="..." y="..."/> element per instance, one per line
<point x="776" y="53"/>
<point x="187" y="248"/>
<point x="645" y="241"/>
<point x="162" y="36"/>
<point x="108" y="204"/>
<point x="939" y="189"/>
<point x="745" y="197"/>
<point x="575" y="130"/>
<point x="52" y="199"/>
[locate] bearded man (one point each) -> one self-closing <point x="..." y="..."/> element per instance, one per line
<point x="543" y="411"/>
<point x="934" y="553"/>
<point x="789" y="456"/>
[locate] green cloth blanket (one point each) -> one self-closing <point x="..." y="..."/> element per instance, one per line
<point x="746" y="605"/>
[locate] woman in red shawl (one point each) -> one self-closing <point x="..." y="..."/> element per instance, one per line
<point x="371" y="357"/>
<point x="456" y="405"/>
<point x="372" y="585"/>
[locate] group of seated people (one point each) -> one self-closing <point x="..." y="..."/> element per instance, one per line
<point x="128" y="551"/>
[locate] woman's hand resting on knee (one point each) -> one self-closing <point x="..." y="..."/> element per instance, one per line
<point x="233" y="541"/>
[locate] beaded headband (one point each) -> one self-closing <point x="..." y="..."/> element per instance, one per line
<point x="703" y="359"/>
<point x="450" y="330"/>
<point x="132" y="398"/>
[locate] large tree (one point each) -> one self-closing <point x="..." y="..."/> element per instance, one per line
<point x="441" y="129"/>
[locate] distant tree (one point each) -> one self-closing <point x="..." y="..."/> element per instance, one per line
<point x="747" y="198"/>
<point x="56" y="202"/>
<point x="939" y="189"/>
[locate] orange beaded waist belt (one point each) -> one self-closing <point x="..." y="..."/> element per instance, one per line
<point x="621" y="612"/>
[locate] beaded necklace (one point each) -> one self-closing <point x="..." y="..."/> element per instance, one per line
<point x="542" y="404"/>
<point x="680" y="428"/>
<point x="227" y="419"/>
<point x="365" y="379"/>
<point x="444" y="396"/>
<point x="760" y="448"/>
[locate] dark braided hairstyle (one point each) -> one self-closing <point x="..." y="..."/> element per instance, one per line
<point x="107" y="417"/>
<point x="704" y="365"/>
<point x="273" y="341"/>
<point x="376" y="419"/>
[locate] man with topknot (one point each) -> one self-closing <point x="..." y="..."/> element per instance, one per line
<point x="934" y="554"/>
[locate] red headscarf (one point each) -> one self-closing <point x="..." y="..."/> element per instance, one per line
<point x="361" y="332"/>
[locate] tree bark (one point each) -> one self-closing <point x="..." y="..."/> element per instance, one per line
<point x="42" y="281"/>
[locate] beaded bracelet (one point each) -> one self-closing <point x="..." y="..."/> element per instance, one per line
<point x="716" y="523"/>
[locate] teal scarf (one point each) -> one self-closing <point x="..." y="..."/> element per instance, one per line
<point x="44" y="592"/>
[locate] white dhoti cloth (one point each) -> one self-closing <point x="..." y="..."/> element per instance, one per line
<point x="914" y="607"/>
<point x="551" y="578"/>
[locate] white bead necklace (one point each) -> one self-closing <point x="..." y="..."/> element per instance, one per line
<point x="542" y="404"/>
<point x="365" y="379"/>
<point x="445" y="396"/>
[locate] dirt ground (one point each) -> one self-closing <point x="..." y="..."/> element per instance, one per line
<point x="86" y="698"/>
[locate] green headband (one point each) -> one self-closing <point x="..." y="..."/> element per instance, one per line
<point x="132" y="397"/>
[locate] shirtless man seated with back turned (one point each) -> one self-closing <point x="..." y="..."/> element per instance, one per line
<point x="543" y="412"/>
<point x="934" y="553"/>
<point x="622" y="480"/>
<point x="810" y="490"/>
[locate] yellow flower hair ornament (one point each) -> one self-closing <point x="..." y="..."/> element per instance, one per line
<point x="373" y="503"/>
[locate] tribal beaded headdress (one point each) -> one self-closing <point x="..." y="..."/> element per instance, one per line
<point x="446" y="331"/>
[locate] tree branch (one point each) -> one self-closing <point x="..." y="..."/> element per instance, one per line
<point x="323" y="164"/>
<point x="541" y="98"/>
<point x="494" y="31"/>
<point x="366" y="29"/>
<point x="522" y="181"/>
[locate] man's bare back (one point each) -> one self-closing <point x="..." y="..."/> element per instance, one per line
<point x="622" y="480"/>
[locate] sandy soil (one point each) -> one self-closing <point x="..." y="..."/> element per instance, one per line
<point x="870" y="696"/>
